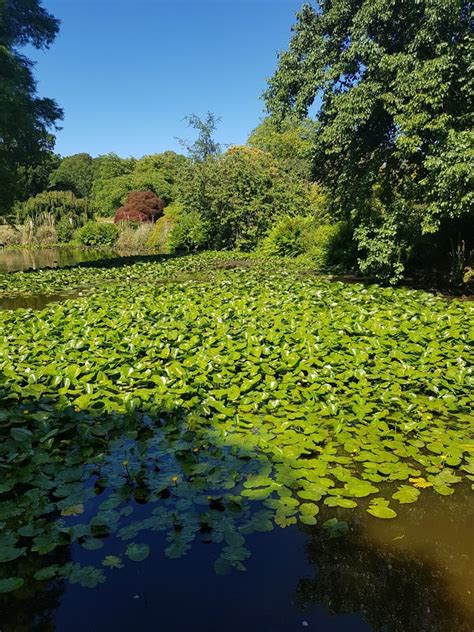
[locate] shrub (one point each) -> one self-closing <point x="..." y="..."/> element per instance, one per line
<point x="133" y="238"/>
<point x="54" y="206"/>
<point x="159" y="235"/>
<point x="285" y="239"/>
<point x="240" y="194"/>
<point x="97" y="234"/>
<point x="10" y="236"/>
<point x="65" y="229"/>
<point x="189" y="232"/>
<point x="141" y="206"/>
<point x="321" y="245"/>
<point x="46" y="235"/>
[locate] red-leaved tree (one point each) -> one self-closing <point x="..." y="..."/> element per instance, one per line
<point x="141" y="206"/>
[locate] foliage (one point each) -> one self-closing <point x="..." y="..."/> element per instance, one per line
<point x="133" y="238"/>
<point x="25" y="118"/>
<point x="285" y="238"/>
<point x="56" y="205"/>
<point x="394" y="139"/>
<point x="189" y="232"/>
<point x="322" y="246"/>
<point x="140" y="206"/>
<point x="239" y="194"/>
<point x="110" y="166"/>
<point x="10" y="235"/>
<point x="75" y="173"/>
<point x="96" y="234"/>
<point x="34" y="178"/>
<point x="289" y="142"/>
<point x="255" y="397"/>
<point x="205" y="146"/>
<point x="158" y="173"/>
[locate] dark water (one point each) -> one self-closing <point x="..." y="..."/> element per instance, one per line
<point x="411" y="574"/>
<point x="15" y="260"/>
<point x="37" y="300"/>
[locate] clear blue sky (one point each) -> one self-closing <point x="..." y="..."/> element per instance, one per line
<point x="126" y="72"/>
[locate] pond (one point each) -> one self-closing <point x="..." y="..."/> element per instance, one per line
<point x="217" y="443"/>
<point x="26" y="259"/>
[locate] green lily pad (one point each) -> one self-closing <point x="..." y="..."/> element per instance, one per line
<point x="10" y="584"/>
<point x="137" y="552"/>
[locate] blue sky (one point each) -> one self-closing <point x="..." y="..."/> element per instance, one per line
<point x="126" y="72"/>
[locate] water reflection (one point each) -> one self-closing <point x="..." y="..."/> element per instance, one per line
<point x="24" y="259"/>
<point x="412" y="574"/>
<point x="37" y="300"/>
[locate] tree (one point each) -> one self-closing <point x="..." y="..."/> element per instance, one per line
<point x="75" y="173"/>
<point x="239" y="194"/>
<point x="141" y="206"/>
<point x="290" y="142"/>
<point x="25" y="118"/>
<point x="55" y="205"/>
<point x="158" y="173"/>
<point x="394" y="142"/>
<point x="34" y="178"/>
<point x="205" y="146"/>
<point x="110" y="166"/>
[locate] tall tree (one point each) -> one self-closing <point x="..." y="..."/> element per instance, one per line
<point x="25" y="118"/>
<point x="290" y="142"/>
<point x="205" y="146"/>
<point x="394" y="142"/>
<point x="75" y="173"/>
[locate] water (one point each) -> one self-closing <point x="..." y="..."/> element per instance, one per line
<point x="15" y="260"/>
<point x="412" y="574"/>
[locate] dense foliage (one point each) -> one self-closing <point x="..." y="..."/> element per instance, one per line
<point x="140" y="206"/>
<point x="116" y="177"/>
<point x="219" y="397"/>
<point x="240" y="194"/>
<point x="25" y="118"/>
<point x="96" y="234"/>
<point x="55" y="204"/>
<point x="394" y="141"/>
<point x="74" y="173"/>
<point x="289" y="142"/>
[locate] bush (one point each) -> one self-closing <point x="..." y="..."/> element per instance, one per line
<point x="53" y="206"/>
<point x="141" y="206"/>
<point x="189" y="232"/>
<point x="285" y="239"/>
<point x="10" y="236"/>
<point x="46" y="235"/>
<point x="158" y="239"/>
<point x="65" y="229"/>
<point x="133" y="238"/>
<point x="97" y="234"/>
<point x="240" y="194"/>
<point x="321" y="245"/>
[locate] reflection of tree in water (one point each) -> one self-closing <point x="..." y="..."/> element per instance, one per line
<point x="33" y="607"/>
<point x="395" y="588"/>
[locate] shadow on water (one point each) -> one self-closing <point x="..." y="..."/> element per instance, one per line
<point x="86" y="484"/>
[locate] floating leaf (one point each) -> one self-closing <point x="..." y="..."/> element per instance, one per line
<point x="137" y="552"/>
<point x="406" y="494"/>
<point x="73" y="510"/>
<point x="9" y="584"/>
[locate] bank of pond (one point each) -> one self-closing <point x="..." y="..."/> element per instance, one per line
<point x="228" y="441"/>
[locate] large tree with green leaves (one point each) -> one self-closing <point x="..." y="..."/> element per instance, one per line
<point x="75" y="173"/>
<point x="394" y="142"/>
<point x="290" y="142"/>
<point x="25" y="118"/>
